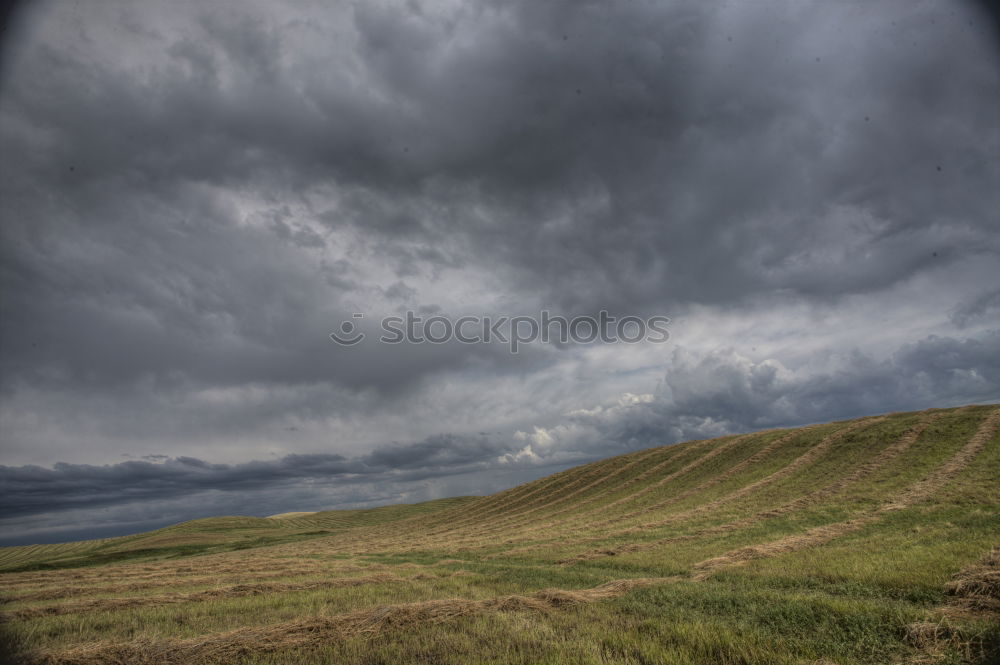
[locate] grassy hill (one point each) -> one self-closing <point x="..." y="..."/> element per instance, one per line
<point x="866" y="541"/>
<point x="212" y="535"/>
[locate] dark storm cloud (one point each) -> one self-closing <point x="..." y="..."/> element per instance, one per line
<point x="656" y="155"/>
<point x="931" y="372"/>
<point x="27" y="490"/>
<point x="723" y="392"/>
<point x="657" y="129"/>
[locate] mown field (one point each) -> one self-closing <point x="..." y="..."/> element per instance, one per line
<point x="868" y="541"/>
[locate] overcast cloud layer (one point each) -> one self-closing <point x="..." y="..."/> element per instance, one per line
<point x="194" y="195"/>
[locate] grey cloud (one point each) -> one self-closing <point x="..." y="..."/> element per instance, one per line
<point x="645" y="152"/>
<point x="616" y="134"/>
<point x="137" y="516"/>
<point x="27" y="490"/>
<point x="983" y="308"/>
<point x="724" y="391"/>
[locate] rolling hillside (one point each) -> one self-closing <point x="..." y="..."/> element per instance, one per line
<point x="867" y="541"/>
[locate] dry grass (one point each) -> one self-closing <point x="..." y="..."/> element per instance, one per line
<point x="285" y="516"/>
<point x="640" y="478"/>
<point x="580" y="482"/>
<point x="819" y="535"/>
<point x="795" y="465"/>
<point x="601" y="478"/>
<point x="433" y="578"/>
<point x="977" y="588"/>
<point x="732" y="472"/>
<point x="974" y="594"/>
<point x="800" y="503"/>
<point x="236" y="591"/>
<point x="226" y="647"/>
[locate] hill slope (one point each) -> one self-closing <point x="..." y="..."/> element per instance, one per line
<point x="832" y="543"/>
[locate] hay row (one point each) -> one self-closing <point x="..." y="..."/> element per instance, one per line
<point x="767" y="450"/>
<point x="603" y="478"/>
<point x="974" y="593"/>
<point x="422" y="539"/>
<point x="799" y="463"/>
<point x="934" y="482"/>
<point x="488" y="504"/>
<point x="690" y="466"/>
<point x="796" y="464"/>
<point x="892" y="451"/>
<point x="712" y="454"/>
<point x="468" y="525"/>
<point x="687" y="468"/>
<point x="236" y="591"/>
<point x="979" y="581"/>
<point x="172" y="574"/>
<point x="318" y="630"/>
<point x="561" y="481"/>
<point x="514" y="509"/>
<point x="760" y="455"/>
<point x="715" y="480"/>
<point x="56" y="592"/>
<point x="921" y="490"/>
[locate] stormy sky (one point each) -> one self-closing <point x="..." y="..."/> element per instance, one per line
<point x="194" y="195"/>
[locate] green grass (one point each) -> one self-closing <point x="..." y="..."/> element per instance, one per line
<point x="847" y="600"/>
